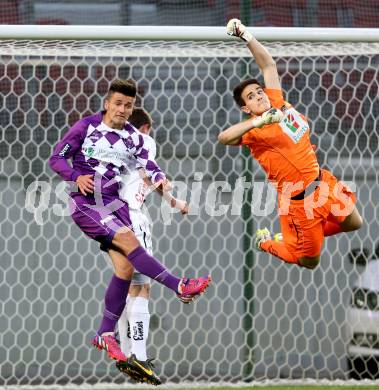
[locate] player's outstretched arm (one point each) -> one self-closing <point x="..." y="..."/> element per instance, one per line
<point x="261" y="55"/>
<point x="165" y="192"/>
<point x="233" y="134"/>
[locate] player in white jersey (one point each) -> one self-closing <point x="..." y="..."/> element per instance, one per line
<point x="133" y="325"/>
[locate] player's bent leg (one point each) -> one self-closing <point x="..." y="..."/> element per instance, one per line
<point x="137" y="313"/>
<point x="341" y="199"/>
<point x="144" y="263"/>
<point x="138" y="366"/>
<point x="332" y="228"/>
<point x="352" y="222"/>
<point x="115" y="299"/>
<point x="122" y="267"/>
<point x="301" y="242"/>
<point x="127" y="243"/>
<point x="276" y="247"/>
<point x="125" y="328"/>
<point x="311" y="245"/>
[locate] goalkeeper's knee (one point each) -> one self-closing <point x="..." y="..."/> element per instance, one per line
<point x="309" y="262"/>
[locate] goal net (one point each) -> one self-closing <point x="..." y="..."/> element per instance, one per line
<point x="261" y="319"/>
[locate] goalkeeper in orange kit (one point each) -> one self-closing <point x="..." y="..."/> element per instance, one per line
<point x="312" y="202"/>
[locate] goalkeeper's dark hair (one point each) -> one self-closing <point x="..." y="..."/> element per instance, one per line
<point x="237" y="91"/>
<point x="125" y="87"/>
<point x="139" y="118"/>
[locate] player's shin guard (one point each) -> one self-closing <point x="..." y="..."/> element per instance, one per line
<point x="279" y="250"/>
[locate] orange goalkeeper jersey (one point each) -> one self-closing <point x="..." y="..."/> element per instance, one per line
<point x="284" y="149"/>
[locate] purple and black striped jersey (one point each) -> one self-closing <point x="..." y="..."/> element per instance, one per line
<point x="96" y="149"/>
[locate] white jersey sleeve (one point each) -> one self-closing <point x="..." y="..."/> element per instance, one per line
<point x="134" y="189"/>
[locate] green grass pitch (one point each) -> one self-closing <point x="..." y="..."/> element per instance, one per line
<point x="293" y="387"/>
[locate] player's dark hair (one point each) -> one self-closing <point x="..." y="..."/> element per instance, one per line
<point x="125" y="87"/>
<point x="237" y="91"/>
<point x="139" y="118"/>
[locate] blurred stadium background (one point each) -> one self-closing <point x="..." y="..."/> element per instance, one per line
<point x="262" y="319"/>
<point x="284" y="13"/>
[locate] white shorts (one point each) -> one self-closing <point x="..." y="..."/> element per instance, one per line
<point x="142" y="230"/>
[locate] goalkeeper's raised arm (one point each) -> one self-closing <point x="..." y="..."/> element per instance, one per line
<point x="250" y="94"/>
<point x="261" y="55"/>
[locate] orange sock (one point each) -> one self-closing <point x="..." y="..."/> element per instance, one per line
<point x="332" y="228"/>
<point x="278" y="249"/>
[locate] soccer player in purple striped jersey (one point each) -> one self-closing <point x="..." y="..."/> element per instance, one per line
<point x="98" y="146"/>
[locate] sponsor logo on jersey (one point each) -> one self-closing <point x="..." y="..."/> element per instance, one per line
<point x="88" y="151"/>
<point x="115" y="157"/>
<point x="294" y="125"/>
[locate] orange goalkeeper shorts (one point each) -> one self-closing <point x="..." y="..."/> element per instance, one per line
<point x="302" y="221"/>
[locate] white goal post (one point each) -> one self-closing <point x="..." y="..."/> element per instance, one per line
<point x="262" y="319"/>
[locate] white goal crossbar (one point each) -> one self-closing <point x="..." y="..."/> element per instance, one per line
<point x="51" y="32"/>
